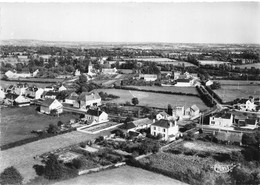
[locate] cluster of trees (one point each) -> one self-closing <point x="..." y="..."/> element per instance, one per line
<point x="11" y="175"/>
<point x="105" y="96"/>
<point x="205" y="97"/>
<point x="54" y="169"/>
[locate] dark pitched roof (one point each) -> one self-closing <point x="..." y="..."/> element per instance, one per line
<point x="47" y="102"/>
<point x="50" y="93"/>
<point x="163" y="123"/>
<point x="73" y="96"/>
<point x="223" y="115"/>
<point x="128" y="126"/>
<point x="183" y="80"/>
<point x="94" y="112"/>
<point x="87" y="96"/>
<point x="11" y="96"/>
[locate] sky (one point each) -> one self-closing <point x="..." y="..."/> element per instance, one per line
<point x="205" y="22"/>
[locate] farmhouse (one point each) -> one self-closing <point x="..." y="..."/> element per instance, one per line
<point x="21" y="89"/>
<point x="148" y="77"/>
<point x="34" y="92"/>
<point x="51" y="104"/>
<point x="162" y="115"/>
<point x="209" y="83"/>
<point x="61" y="88"/>
<point x="183" y="83"/>
<point x="2" y="94"/>
<point x="71" y="98"/>
<point x="13" y="75"/>
<point x="50" y="94"/>
<point x="10" y="89"/>
<point x="15" y="99"/>
<point x="88" y="99"/>
<point x="192" y="111"/>
<point x="49" y="88"/>
<point x="96" y="115"/>
<point x="137" y="125"/>
<point x="178" y="111"/>
<point x="221" y="119"/>
<point x="109" y="71"/>
<point x="168" y="129"/>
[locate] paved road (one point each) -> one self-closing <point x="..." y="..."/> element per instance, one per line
<point x="22" y="157"/>
<point x="125" y="175"/>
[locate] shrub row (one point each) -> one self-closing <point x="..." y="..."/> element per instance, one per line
<point x="205" y="97"/>
<point x="32" y="139"/>
<point x="153" y="91"/>
<point x="214" y="94"/>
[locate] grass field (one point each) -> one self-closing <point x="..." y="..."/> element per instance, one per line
<point x="154" y="99"/>
<point x="231" y="92"/>
<point x="17" y="123"/>
<point x="206" y="147"/>
<point x="248" y="66"/>
<point x="162" y="61"/>
<point x="191" y="90"/>
<point x="125" y="175"/>
<point x="238" y="82"/>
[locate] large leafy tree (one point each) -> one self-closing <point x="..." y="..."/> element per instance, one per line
<point x="53" y="169"/>
<point x="11" y="176"/>
<point x="135" y="101"/>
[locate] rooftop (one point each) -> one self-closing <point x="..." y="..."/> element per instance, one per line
<point x="163" y="123"/>
<point x="47" y="102"/>
<point x="94" y="112"/>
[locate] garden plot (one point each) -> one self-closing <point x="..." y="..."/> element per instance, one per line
<point x="98" y="127"/>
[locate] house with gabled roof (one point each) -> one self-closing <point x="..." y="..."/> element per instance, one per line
<point x="221" y="119"/>
<point x="167" y="128"/>
<point x="15" y="99"/>
<point x="192" y="111"/>
<point x="71" y="98"/>
<point x="137" y="125"/>
<point x="87" y="99"/>
<point x="51" y="104"/>
<point x="162" y="115"/>
<point x="96" y="115"/>
<point x="34" y="92"/>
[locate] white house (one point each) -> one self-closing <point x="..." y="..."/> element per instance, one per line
<point x="162" y="115"/>
<point x="110" y="71"/>
<point x="192" y="111"/>
<point x="20" y="89"/>
<point x="10" y="74"/>
<point x="167" y="128"/>
<point x="96" y="115"/>
<point x="209" y="83"/>
<point x="51" y="104"/>
<point x="88" y="99"/>
<point x="49" y="88"/>
<point x="137" y="125"/>
<point x="148" y="77"/>
<point x="250" y="105"/>
<point x="71" y="98"/>
<point x="183" y="83"/>
<point x="34" y="92"/>
<point x="91" y="71"/>
<point x="2" y="94"/>
<point x="178" y="111"/>
<point x="18" y="100"/>
<point x="77" y="73"/>
<point x="221" y="119"/>
<point x="62" y="88"/>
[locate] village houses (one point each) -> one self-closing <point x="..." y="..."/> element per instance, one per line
<point x="87" y="99"/>
<point x="96" y="116"/>
<point x="167" y="128"/>
<point x="51" y="104"/>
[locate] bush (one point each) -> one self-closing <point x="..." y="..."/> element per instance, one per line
<point x="39" y="169"/>
<point x="251" y="153"/>
<point x="11" y="176"/>
<point x="175" y="151"/>
<point x="76" y="163"/>
<point x="222" y="157"/>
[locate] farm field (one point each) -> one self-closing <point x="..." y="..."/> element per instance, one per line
<point x="21" y="157"/>
<point x="125" y="175"/>
<point x="17" y="123"/>
<point x="248" y="66"/>
<point x="191" y="90"/>
<point x="231" y="92"/>
<point x="211" y="62"/>
<point x="205" y="146"/>
<point x="162" y="61"/>
<point x="5" y="84"/>
<point x="154" y="99"/>
<point x="238" y="82"/>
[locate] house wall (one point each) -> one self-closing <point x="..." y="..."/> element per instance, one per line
<point x="69" y="101"/>
<point x="221" y="121"/>
<point x="45" y="110"/>
<point x="38" y="93"/>
<point x="182" y="84"/>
